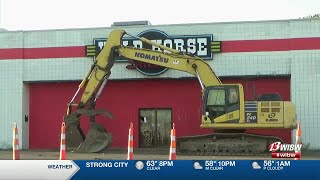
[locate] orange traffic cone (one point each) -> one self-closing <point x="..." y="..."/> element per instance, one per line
<point x="130" y="143"/>
<point x="15" y="143"/>
<point x="298" y="141"/>
<point x="63" y="142"/>
<point x="172" y="155"/>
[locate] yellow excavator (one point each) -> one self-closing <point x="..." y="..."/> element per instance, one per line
<point x="223" y="106"/>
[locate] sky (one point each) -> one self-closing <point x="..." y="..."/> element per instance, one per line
<point x="62" y="14"/>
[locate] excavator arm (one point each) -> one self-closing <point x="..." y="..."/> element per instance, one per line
<point x="97" y="137"/>
<point x="101" y="69"/>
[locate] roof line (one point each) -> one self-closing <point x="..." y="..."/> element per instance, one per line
<point x="161" y="25"/>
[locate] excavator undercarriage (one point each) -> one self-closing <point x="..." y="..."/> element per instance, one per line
<point x="226" y="144"/>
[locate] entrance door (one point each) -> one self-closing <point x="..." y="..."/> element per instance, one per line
<point x="155" y="126"/>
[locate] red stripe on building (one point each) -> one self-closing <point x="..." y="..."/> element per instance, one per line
<point x="271" y="45"/>
<point x="227" y="47"/>
<point x="14" y="53"/>
<point x="54" y="52"/>
<point x="255" y="45"/>
<point x="305" y="43"/>
<point x="41" y="53"/>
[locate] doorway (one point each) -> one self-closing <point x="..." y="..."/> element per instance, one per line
<point x="155" y="127"/>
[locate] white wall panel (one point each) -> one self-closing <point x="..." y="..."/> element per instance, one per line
<point x="11" y="100"/>
<point x="305" y="85"/>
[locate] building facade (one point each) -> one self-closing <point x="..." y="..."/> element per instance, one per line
<point x="40" y="72"/>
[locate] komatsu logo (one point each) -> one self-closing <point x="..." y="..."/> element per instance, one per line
<point x="278" y="146"/>
<point x="151" y="57"/>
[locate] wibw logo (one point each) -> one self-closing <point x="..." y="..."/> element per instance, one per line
<point x="278" y="146"/>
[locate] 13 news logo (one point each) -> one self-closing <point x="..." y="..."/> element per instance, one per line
<point x="279" y="150"/>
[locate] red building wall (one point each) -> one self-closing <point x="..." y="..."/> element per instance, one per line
<point x="48" y="104"/>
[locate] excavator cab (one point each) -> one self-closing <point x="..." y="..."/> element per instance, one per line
<point x="221" y="103"/>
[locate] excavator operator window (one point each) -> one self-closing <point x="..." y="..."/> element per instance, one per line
<point x="216" y="102"/>
<point x="221" y="100"/>
<point x="233" y="96"/>
<point x="216" y="97"/>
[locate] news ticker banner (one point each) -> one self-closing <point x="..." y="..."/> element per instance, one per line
<point x="159" y="169"/>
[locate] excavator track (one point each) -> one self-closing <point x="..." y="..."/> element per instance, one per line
<point x="226" y="144"/>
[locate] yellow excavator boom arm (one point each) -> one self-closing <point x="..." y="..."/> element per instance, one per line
<point x="169" y="58"/>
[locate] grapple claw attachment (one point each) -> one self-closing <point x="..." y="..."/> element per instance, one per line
<point x="96" y="139"/>
<point x="74" y="134"/>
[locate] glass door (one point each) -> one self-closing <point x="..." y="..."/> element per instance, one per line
<point x="155" y="126"/>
